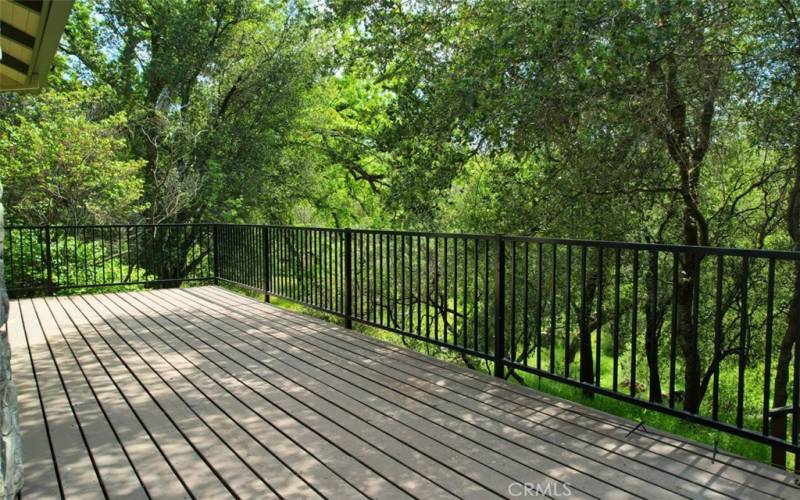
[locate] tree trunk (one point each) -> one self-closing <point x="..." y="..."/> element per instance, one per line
<point x="778" y="424"/>
<point x="651" y="338"/>
<point x="587" y="325"/>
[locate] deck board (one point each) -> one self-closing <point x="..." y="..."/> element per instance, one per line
<point x="523" y="401"/>
<point x="146" y="457"/>
<point x="485" y="435"/>
<point x="724" y="479"/>
<point x="204" y="393"/>
<point x="589" y="443"/>
<point x="41" y="478"/>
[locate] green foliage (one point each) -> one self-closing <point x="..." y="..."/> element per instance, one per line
<point x="62" y="163"/>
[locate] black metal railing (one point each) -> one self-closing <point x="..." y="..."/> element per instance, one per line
<point x="49" y="259"/>
<point x="705" y="334"/>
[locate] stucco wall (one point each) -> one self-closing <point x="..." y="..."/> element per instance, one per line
<point x="10" y="441"/>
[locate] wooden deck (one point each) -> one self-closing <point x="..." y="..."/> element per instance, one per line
<point x="204" y="393"/>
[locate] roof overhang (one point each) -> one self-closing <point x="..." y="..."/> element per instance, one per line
<point x="29" y="34"/>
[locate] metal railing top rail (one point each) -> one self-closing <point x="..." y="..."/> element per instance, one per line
<point x="98" y="226"/>
<point x="613" y="244"/>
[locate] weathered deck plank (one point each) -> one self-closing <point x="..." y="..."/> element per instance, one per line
<point x="75" y="462"/>
<point x="513" y="407"/>
<point x="41" y="478"/>
<point x="145" y="455"/>
<point x="204" y="393"/>
<point x="527" y="402"/>
<point x="417" y="381"/>
<point x="471" y="433"/>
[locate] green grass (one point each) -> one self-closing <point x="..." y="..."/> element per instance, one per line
<point x="651" y="418"/>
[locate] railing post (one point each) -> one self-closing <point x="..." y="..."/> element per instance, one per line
<point x="48" y="258"/>
<point x="266" y="255"/>
<point x="215" y="251"/>
<point x="499" y="306"/>
<point x="348" y="278"/>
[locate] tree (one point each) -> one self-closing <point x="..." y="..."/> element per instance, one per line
<point x="211" y="118"/>
<point x="64" y="161"/>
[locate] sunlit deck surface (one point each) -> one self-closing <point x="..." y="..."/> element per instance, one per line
<point x="204" y="393"/>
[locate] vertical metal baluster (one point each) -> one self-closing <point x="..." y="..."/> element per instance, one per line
<point x="49" y="260"/>
<point x="286" y="262"/>
<point x="237" y="243"/>
<point x="410" y="292"/>
<point x="265" y="254"/>
<point x="342" y="270"/>
<point x="525" y="308"/>
<point x="322" y="270"/>
<point x="513" y="301"/>
<point x="674" y="330"/>
<point x="583" y="330"/>
<point x="464" y="303"/>
<point x="360" y="237"/>
<point x="395" y="309"/>
<point x="313" y="274"/>
<point x="299" y="270"/>
<point x="455" y="291"/>
<point x="768" y="348"/>
<point x="599" y="334"/>
<point x="420" y="300"/>
<point x="615" y="348"/>
<point x="348" y="278"/>
<point x="436" y="288"/>
<point x="567" y="310"/>
<point x="475" y="294"/>
<point x="445" y="301"/>
<point x="241" y="238"/>
<point x="331" y="266"/>
<point x="554" y="277"/>
<point x="94" y="256"/>
<point x="112" y="259"/>
<point x="317" y="268"/>
<point x="634" y="321"/>
<point x="696" y="298"/>
<point x="717" y="338"/>
<point x="85" y="254"/>
<point x="539" y="302"/>
<point x="744" y="324"/>
<point x="375" y="279"/>
<point x="63" y="256"/>
<point x="499" y="307"/>
<point x="427" y="286"/>
<point x="103" y="253"/>
<point x="293" y="265"/>
<point x="310" y="266"/>
<point x="486" y="296"/>
<point x="299" y="264"/>
<point x="382" y="287"/>
<point x="326" y="237"/>
<point x="402" y="308"/>
<point x="653" y="324"/>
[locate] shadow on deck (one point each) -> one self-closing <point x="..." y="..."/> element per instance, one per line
<point x="203" y="393"/>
